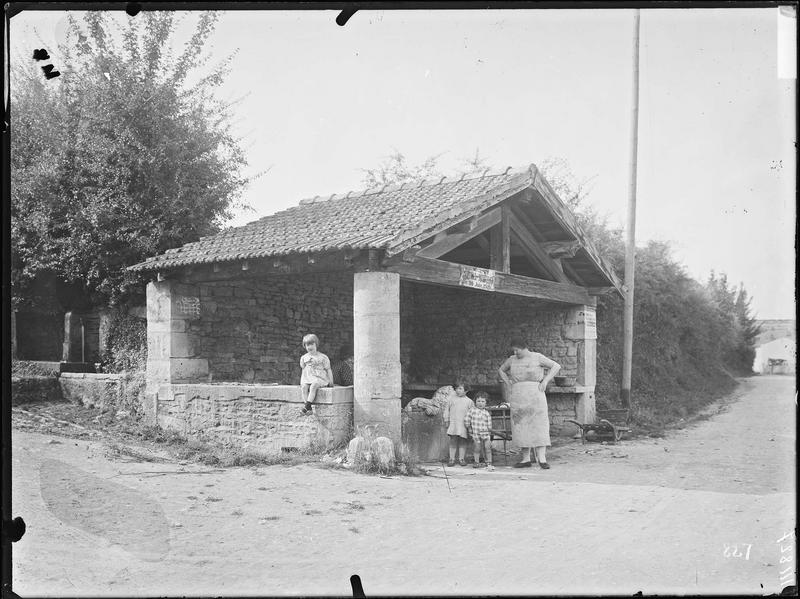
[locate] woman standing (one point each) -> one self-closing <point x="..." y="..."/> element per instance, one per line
<point x="530" y="424"/>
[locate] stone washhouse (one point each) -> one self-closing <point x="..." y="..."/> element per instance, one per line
<point x="428" y="281"/>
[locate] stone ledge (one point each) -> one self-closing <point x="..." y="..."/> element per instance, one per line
<point x="111" y="376"/>
<point x="256" y="391"/>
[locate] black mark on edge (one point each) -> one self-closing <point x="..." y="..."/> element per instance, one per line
<point x="344" y="16"/>
<point x="15" y="529"/>
<point x="355" y="581"/>
<point x="133" y="8"/>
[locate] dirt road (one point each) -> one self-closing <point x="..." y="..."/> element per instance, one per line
<point x="653" y="515"/>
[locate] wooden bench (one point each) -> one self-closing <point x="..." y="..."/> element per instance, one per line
<point x="610" y="425"/>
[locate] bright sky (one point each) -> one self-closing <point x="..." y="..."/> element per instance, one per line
<point x="716" y="133"/>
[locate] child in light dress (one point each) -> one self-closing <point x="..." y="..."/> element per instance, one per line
<point x="316" y="373"/>
<point x="457" y="407"/>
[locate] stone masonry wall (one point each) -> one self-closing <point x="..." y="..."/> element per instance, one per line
<point x="252" y="331"/>
<point x="90" y="389"/>
<point x="259" y="417"/>
<point x="465" y="333"/>
<point x="35" y="389"/>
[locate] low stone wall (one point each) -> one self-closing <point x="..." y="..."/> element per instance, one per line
<point x="35" y="389"/>
<point x="259" y="417"/>
<point x="90" y="389"/>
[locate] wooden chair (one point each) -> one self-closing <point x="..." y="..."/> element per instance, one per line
<point x="501" y="427"/>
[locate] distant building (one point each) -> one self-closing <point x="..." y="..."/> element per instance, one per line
<point x="776" y="357"/>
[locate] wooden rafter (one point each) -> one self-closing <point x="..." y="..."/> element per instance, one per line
<point x="441" y="272"/>
<point x="535" y="252"/>
<point x="446" y="242"/>
<point x="505" y="232"/>
<point x="500" y="244"/>
<point x="601" y="290"/>
<point x="561" y="249"/>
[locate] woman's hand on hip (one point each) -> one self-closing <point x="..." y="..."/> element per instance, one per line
<point x="542" y="386"/>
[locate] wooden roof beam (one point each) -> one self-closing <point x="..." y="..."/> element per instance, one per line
<point x="446" y="242"/>
<point x="601" y="290"/>
<point x="561" y="249"/>
<point x="441" y="272"/>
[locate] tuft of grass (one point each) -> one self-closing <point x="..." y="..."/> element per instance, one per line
<point x="406" y="462"/>
<point x="117" y="450"/>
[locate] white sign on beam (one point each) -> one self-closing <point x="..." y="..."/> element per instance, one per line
<point x="478" y="278"/>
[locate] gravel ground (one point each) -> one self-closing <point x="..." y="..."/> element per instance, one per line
<point x="699" y="511"/>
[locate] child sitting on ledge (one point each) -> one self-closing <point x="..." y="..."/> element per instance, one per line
<point x="316" y="372"/>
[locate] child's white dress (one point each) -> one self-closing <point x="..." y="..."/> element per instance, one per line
<point x="457" y="409"/>
<point x="314" y="369"/>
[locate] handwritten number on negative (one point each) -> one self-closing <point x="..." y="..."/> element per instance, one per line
<point x="733" y="550"/>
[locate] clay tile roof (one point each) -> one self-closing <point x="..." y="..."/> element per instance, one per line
<point x="377" y="218"/>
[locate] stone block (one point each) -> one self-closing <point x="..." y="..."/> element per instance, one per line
<point x="356" y="450"/>
<point x="181" y="345"/>
<point x="158" y="302"/>
<point x="188" y="369"/>
<point x="158" y="370"/>
<point x="425" y="436"/>
<point x="178" y="326"/>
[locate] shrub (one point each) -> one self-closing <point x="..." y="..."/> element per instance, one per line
<point x="126" y="344"/>
<point x="25" y="368"/>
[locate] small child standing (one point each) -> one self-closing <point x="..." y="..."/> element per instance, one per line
<point x="316" y="373"/>
<point x="479" y="422"/>
<point x="457" y="407"/>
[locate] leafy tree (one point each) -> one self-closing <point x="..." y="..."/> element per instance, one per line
<point x="395" y="170"/>
<point x="126" y="154"/>
<point x="571" y="189"/>
<point x="735" y="327"/>
<point x="749" y="330"/>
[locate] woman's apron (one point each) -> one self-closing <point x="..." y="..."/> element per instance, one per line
<point x="530" y="424"/>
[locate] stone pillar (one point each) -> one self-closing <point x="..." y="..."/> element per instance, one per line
<point x="72" y="338"/>
<point x="171" y="353"/>
<point x="103" y="330"/>
<point x="581" y="329"/>
<point x="376" y="343"/>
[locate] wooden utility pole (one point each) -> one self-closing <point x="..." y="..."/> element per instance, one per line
<point x="630" y="248"/>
